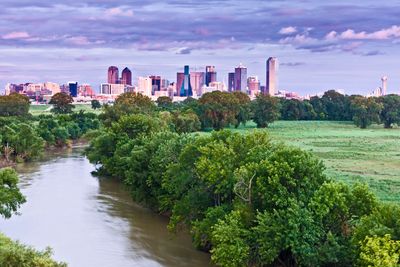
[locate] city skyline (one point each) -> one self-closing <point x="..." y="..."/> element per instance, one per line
<point x="351" y="50"/>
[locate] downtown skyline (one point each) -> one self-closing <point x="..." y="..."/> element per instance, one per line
<point x="317" y="50"/>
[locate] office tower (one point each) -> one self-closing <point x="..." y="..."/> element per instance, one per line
<point x="253" y="83"/>
<point x="211" y="75"/>
<point x="155" y="83"/>
<point x="73" y="89"/>
<point x="186" y="88"/>
<point x="272" y="79"/>
<point x="53" y="87"/>
<point x="113" y="75"/>
<point x="144" y="85"/>
<point x="126" y="77"/>
<point x="197" y="81"/>
<point x="231" y="81"/>
<point x="180" y="76"/>
<point x="384" y="84"/>
<point x="241" y="78"/>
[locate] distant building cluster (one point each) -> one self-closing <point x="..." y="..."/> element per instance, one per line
<point x="380" y="91"/>
<point x="188" y="83"/>
<point x="42" y="92"/>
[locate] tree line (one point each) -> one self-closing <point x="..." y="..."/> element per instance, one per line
<point x="247" y="200"/>
<point x="218" y="110"/>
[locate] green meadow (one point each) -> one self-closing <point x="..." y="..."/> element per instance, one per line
<point x="350" y="154"/>
<point x="45" y="109"/>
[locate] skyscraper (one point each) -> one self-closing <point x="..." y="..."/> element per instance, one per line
<point x="231" y="81"/>
<point x="241" y="78"/>
<point x="126" y="77"/>
<point x="197" y="81"/>
<point x="384" y="84"/>
<point x="180" y="76"/>
<point x="155" y="83"/>
<point x="113" y="75"/>
<point x="254" y="85"/>
<point x="73" y="89"/>
<point x="272" y="80"/>
<point x="186" y="89"/>
<point x="211" y="75"/>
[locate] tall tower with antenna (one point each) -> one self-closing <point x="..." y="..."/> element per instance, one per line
<point x="384" y="84"/>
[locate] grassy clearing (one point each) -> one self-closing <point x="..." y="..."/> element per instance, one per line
<point x="45" y="109"/>
<point x="350" y="154"/>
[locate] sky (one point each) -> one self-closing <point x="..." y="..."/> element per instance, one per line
<point x="320" y="45"/>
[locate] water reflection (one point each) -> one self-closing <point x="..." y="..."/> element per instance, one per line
<point x="90" y="221"/>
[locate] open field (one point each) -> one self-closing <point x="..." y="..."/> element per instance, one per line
<point x="350" y="154"/>
<point x="45" y="109"/>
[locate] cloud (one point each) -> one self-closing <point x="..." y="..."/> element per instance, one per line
<point x="292" y="64"/>
<point x="184" y="51"/>
<point x="350" y="34"/>
<point x="15" y="35"/>
<point x="119" y="12"/>
<point x="288" y="30"/>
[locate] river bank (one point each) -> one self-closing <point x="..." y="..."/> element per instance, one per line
<point x="91" y="221"/>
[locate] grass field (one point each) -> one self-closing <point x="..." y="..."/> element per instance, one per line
<point x="45" y="109"/>
<point x="350" y="154"/>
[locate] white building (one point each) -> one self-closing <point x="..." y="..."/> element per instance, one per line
<point x="144" y="86"/>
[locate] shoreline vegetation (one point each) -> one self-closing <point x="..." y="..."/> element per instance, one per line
<point x="250" y="197"/>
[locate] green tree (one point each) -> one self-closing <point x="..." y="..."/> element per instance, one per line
<point x="62" y="103"/>
<point x="14" y="254"/>
<point x="95" y="104"/>
<point x="186" y="121"/>
<point x="10" y="196"/>
<point x="244" y="108"/>
<point x="164" y="103"/>
<point x="366" y="111"/>
<point x="14" y="105"/>
<point x="218" y="109"/>
<point x="390" y="113"/>
<point x="265" y="110"/>
<point x="230" y="245"/>
<point x="379" y="251"/>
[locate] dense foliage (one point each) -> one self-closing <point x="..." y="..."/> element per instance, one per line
<point x="244" y="198"/>
<point x="14" y="105"/>
<point x="23" y="139"/>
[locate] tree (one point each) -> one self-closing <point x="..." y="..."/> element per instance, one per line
<point x="244" y="108"/>
<point x="10" y="196"/>
<point x="265" y="110"/>
<point x="185" y="122"/>
<point x="62" y="103"/>
<point x="230" y="245"/>
<point x="218" y="109"/>
<point x="14" y="105"/>
<point x="164" y="103"/>
<point x="366" y="111"/>
<point x="95" y="104"/>
<point x="390" y="113"/>
<point x="380" y="251"/>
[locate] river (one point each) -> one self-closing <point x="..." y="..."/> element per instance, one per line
<point x="90" y="221"/>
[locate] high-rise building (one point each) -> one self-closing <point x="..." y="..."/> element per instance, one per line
<point x="180" y="76"/>
<point x="272" y="79"/>
<point x="126" y="77"/>
<point x="186" y="88"/>
<point x="211" y="75"/>
<point x="241" y="78"/>
<point x="155" y="83"/>
<point x="113" y="75"/>
<point x="253" y="84"/>
<point x="231" y="81"/>
<point x="197" y="81"/>
<point x="384" y="84"/>
<point x="73" y="88"/>
<point x="144" y="86"/>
